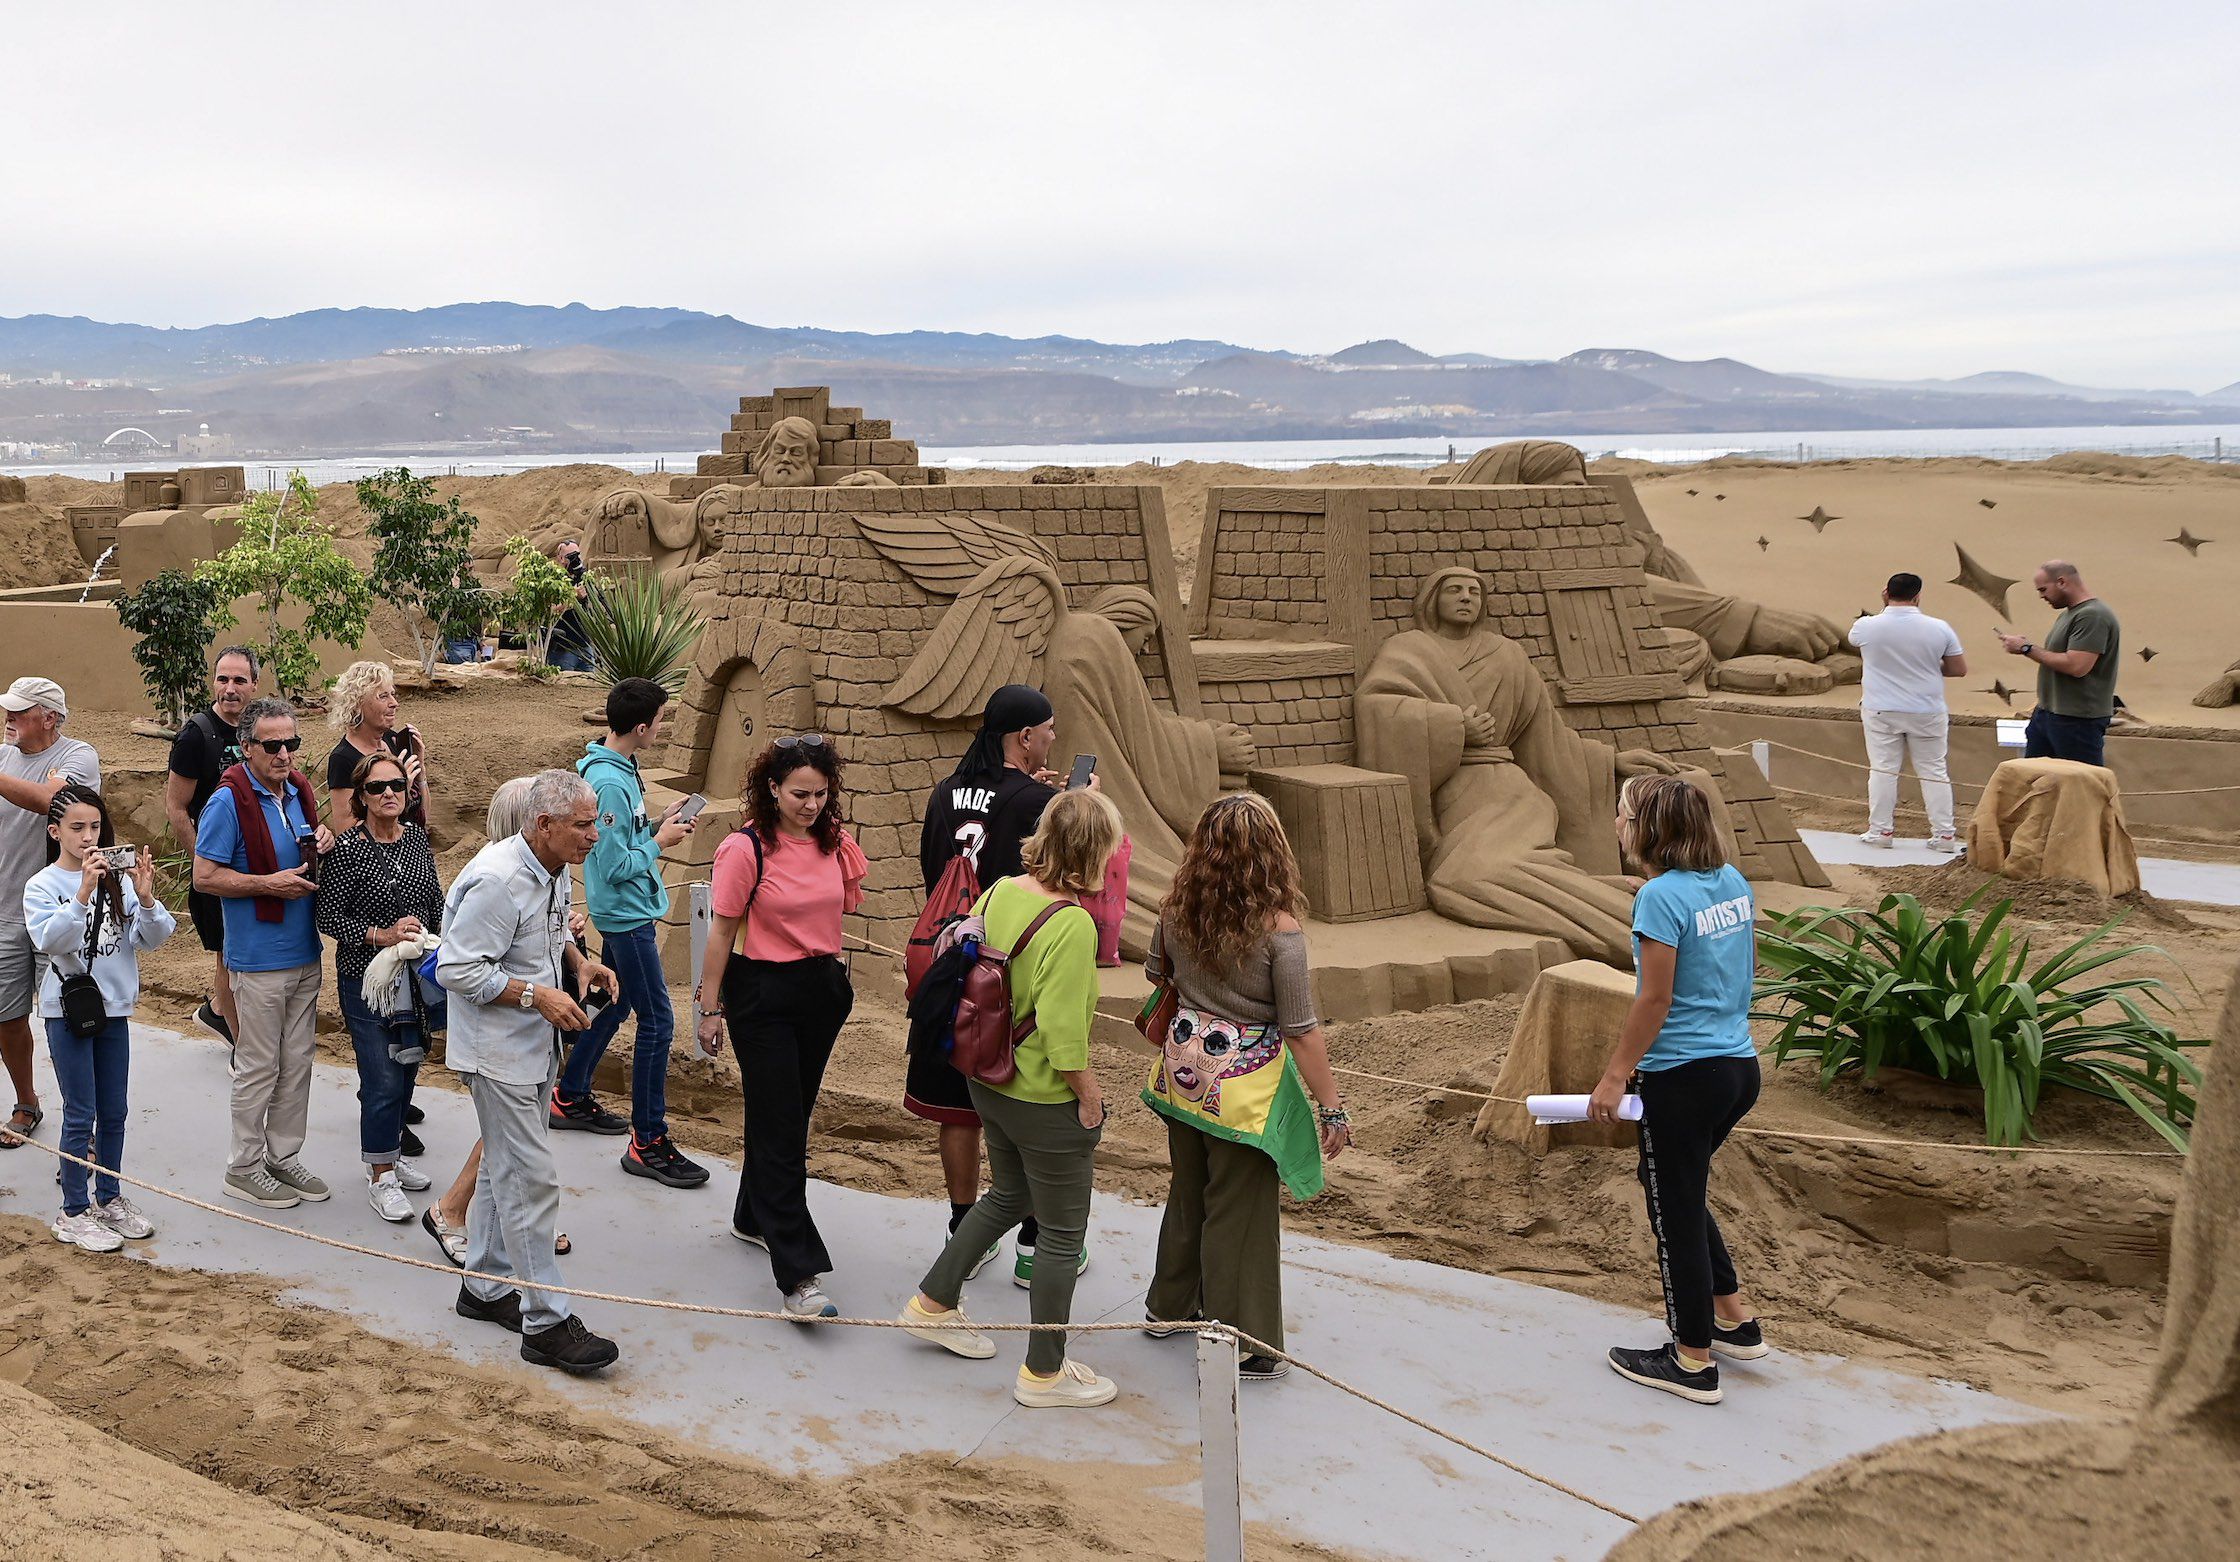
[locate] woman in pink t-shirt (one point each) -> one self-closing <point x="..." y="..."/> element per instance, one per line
<point x="774" y="978"/>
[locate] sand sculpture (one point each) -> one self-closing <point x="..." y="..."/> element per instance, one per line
<point x="1991" y="588"/>
<point x="160" y="525"/>
<point x="1706" y="628"/>
<point x="1560" y="1046"/>
<point x="2221" y="691"/>
<point x="2054" y="819"/>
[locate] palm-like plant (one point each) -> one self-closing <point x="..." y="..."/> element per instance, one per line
<point x="1859" y="990"/>
<point x="640" y="626"/>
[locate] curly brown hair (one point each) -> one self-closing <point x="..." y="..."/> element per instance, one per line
<point x="781" y="759"/>
<point x="1238" y="876"/>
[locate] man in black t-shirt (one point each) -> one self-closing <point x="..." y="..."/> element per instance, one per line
<point x="202" y="751"/>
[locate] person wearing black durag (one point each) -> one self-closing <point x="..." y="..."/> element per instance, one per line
<point x="984" y="813"/>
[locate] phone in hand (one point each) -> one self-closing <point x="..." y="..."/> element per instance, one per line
<point x="689" y="809"/>
<point x="121" y="859"/>
<point x="1084" y="766"/>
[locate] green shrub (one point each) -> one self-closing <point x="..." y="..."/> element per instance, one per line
<point x="1861" y="990"/>
<point x="285" y="556"/>
<point x="423" y="562"/>
<point x="639" y="626"/>
<point x="175" y="615"/>
<point x="532" y="602"/>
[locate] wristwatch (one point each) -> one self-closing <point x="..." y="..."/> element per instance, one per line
<point x="2028" y="647"/>
<point x="528" y="995"/>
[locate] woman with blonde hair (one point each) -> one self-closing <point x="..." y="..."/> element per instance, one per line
<point x="1238" y="1062"/>
<point x="1685" y="1047"/>
<point x="1043" y="1125"/>
<point x="363" y="708"/>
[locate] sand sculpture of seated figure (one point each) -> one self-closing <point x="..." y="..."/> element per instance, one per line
<point x="1512" y="806"/>
<point x="2221" y="692"/>
<point x="1704" y="626"/>
<point x="685" y="539"/>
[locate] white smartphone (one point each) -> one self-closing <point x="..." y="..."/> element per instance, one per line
<point x="689" y="809"/>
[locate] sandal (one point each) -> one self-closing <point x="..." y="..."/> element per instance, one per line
<point x="561" y="1246"/>
<point x="450" y="1238"/>
<point x="13" y="1135"/>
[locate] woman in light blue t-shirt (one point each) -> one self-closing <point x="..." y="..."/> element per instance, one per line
<point x="1685" y="1048"/>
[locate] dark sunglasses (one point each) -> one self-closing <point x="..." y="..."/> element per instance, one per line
<point x="807" y="740"/>
<point x="278" y="745"/>
<point x="376" y="788"/>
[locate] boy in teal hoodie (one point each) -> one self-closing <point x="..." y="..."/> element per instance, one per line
<point x="626" y="900"/>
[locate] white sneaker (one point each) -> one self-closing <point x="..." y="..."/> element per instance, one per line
<point x="967" y="1341"/>
<point x="1949" y="845"/>
<point x="410" y="1177"/>
<point x="387" y="1198"/>
<point x="1882" y="838"/>
<point x="807" y="1301"/>
<point x="982" y="1261"/>
<point x="1077" y="1386"/>
<point x="82" y="1230"/>
<point x="123" y="1217"/>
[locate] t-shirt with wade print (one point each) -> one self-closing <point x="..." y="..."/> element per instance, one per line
<point x="1706" y="918"/>
<point x="23" y="834"/>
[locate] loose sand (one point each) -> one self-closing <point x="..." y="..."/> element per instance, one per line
<point x="2037" y="1277"/>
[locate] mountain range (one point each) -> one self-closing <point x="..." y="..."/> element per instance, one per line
<point x="576" y="378"/>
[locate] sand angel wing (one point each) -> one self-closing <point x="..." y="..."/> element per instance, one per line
<point x="993" y="634"/>
<point x="944" y="554"/>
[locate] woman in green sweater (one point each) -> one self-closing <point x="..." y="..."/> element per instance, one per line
<point x="1043" y="1126"/>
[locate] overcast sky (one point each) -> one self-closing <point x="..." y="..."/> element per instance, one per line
<point x="1886" y="189"/>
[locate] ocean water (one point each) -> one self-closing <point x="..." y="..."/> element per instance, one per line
<point x="2202" y="440"/>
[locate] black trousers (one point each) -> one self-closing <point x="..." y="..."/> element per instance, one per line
<point x="2081" y="738"/>
<point x="783" y="1017"/>
<point x="1687" y="1111"/>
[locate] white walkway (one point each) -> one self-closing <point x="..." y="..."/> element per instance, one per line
<point x="2208" y="883"/>
<point x="1513" y="1366"/>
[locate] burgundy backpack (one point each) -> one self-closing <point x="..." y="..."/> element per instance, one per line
<point x="984" y="1038"/>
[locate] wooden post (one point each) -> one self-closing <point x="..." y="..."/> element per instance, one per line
<point x="1762" y="752"/>
<point x="1222" y="1495"/>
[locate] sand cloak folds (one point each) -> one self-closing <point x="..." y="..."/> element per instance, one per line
<point x="1513" y="836"/>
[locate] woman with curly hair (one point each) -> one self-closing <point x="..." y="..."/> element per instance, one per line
<point x="363" y="708"/>
<point x="775" y="980"/>
<point x="1239" y="1059"/>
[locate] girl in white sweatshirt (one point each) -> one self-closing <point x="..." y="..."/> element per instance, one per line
<point x="76" y="899"/>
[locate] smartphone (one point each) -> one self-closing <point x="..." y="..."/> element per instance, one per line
<point x="689" y="809"/>
<point x="122" y="859"/>
<point x="1084" y="766"/>
<point x="308" y="845"/>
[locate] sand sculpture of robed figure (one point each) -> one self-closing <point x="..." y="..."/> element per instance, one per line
<point x="1011" y="622"/>
<point x="1513" y="808"/>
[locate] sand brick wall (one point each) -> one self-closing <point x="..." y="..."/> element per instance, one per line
<point x="1296" y="700"/>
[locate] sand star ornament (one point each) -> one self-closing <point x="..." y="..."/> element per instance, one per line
<point x="2188" y="541"/>
<point x="1764" y="543"/>
<point x="1718" y="496"/>
<point x="1693" y="492"/>
<point x="2148" y="653"/>
<point x="1989" y="504"/>
<point x="2006" y="695"/>
<point x="1991" y="588"/>
<point x="1819" y="518"/>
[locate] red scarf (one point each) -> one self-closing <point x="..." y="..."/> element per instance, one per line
<point x="256" y="835"/>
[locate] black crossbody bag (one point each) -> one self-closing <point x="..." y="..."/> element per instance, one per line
<point x="82" y="1009"/>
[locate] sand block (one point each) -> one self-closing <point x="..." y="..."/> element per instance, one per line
<point x="2054" y="819"/>
<point x="1771" y="675"/>
<point x="1355" y="834"/>
<point x="1560" y="1047"/>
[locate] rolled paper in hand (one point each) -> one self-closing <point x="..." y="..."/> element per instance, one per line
<point x="1573" y="1109"/>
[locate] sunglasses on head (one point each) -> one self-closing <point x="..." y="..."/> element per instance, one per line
<point x="278" y="745"/>
<point x="393" y="784"/>
<point x="806" y="740"/>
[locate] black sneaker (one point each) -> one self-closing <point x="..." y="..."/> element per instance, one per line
<point x="1743" y="1342"/>
<point x="413" y="1115"/>
<point x="505" y="1312"/>
<point x="569" y="1346"/>
<point x="1160" y="1328"/>
<point x="411" y="1146"/>
<point x="1661" y="1369"/>
<point x="212" y="1021"/>
<point x="1261" y="1369"/>
<point x="664" y="1163"/>
<point x="586" y="1114"/>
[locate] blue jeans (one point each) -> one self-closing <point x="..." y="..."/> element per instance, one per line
<point x="2081" y="738"/>
<point x="571" y="658"/>
<point x="462" y="650"/>
<point x="92" y="1074"/>
<point x="384" y="1085"/>
<point x="635" y="958"/>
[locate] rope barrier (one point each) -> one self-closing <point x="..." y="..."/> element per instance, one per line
<point x="1244" y="1342"/>
<point x="1852" y="764"/>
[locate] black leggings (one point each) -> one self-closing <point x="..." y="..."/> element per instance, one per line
<point x="784" y="1016"/>
<point x="1686" y="1113"/>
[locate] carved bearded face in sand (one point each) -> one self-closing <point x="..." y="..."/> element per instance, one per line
<point x="788" y="455"/>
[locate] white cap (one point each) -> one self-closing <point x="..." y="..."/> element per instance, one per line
<point x="27" y="692"/>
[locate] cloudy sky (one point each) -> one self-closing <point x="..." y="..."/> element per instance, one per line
<point x="1889" y="189"/>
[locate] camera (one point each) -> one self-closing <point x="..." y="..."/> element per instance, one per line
<point x="121" y="859"/>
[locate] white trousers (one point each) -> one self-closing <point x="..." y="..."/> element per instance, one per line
<point x="1891" y="736"/>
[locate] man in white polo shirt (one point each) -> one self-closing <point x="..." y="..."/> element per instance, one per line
<point x="1907" y="656"/>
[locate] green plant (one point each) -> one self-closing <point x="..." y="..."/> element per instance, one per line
<point x="423" y="560"/>
<point x="640" y="626"/>
<point x="1896" y="987"/>
<point x="532" y="602"/>
<point x="285" y="556"/>
<point x="175" y="616"/>
<point x="539" y="672"/>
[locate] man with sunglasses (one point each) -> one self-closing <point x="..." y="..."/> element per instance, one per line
<point x="250" y="853"/>
<point x="36" y="762"/>
<point x="206" y="747"/>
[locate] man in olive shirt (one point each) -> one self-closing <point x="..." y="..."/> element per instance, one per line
<point x="2076" y="669"/>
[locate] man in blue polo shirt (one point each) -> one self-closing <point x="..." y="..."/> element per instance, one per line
<point x="249" y="853"/>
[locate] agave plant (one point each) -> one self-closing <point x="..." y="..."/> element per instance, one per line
<point x="639" y="626"/>
<point x="1959" y="998"/>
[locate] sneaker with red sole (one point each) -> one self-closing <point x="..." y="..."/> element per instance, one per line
<point x="664" y="1163"/>
<point x="587" y="1115"/>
